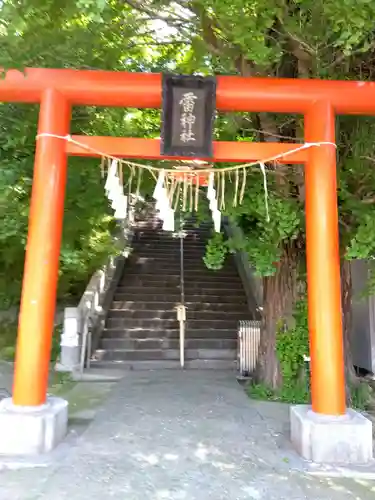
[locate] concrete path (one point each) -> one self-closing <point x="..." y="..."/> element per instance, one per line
<point x="180" y="436"/>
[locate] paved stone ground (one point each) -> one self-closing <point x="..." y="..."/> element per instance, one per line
<point x="171" y="435"/>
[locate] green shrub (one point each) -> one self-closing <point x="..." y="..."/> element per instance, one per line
<point x="291" y="346"/>
<point x="8" y="340"/>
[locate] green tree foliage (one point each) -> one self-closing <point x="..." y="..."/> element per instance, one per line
<point x="58" y="34"/>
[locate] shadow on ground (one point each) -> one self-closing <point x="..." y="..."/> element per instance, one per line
<point x="177" y="435"/>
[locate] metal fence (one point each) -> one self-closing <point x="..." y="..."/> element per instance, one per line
<point x="248" y="346"/>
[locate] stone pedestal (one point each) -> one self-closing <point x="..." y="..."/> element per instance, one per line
<point x="325" y="439"/>
<point x="26" y="431"/>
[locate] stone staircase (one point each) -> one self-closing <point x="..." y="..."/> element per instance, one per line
<point x="142" y="331"/>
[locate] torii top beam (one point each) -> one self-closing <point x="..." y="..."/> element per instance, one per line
<point x="144" y="90"/>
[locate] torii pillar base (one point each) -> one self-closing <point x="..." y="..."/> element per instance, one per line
<point x="325" y="439"/>
<point x="32" y="430"/>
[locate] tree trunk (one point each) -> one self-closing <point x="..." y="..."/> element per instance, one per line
<point x="279" y="296"/>
<point x="279" y="290"/>
<point x="351" y="378"/>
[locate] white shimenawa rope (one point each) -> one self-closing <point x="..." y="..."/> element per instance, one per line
<point x="162" y="171"/>
<point x="306" y="145"/>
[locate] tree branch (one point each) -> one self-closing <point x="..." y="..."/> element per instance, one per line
<point x="210" y="30"/>
<point x="168" y="18"/>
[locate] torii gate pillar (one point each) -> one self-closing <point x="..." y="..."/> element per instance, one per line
<point x="319" y="435"/>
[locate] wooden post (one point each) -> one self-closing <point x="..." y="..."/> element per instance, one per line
<point x="323" y="265"/>
<point x="37" y="313"/>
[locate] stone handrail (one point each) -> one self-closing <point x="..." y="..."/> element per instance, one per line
<point x="83" y="325"/>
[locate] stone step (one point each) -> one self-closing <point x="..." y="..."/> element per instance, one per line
<point x="170" y="281"/>
<point x="141" y="293"/>
<point x="190" y="284"/>
<point x="194" y="272"/>
<point x="189" y="241"/>
<point x="172" y="249"/>
<point x="174" y="275"/>
<point x="206" y="315"/>
<point x="150" y="323"/>
<point x="161" y="235"/>
<point x="149" y="225"/>
<point x="152" y="266"/>
<point x="191" y="228"/>
<point x="191" y="287"/>
<point x="195" y="364"/>
<point x="140" y="305"/>
<point x="198" y="231"/>
<point x="160" y="240"/>
<point x="166" y="343"/>
<point x="189" y="261"/>
<point x="171" y="254"/>
<point x="137" y="258"/>
<point x="169" y="245"/>
<point x="196" y="225"/>
<point x="154" y="273"/>
<point x="172" y="260"/>
<point x="160" y="354"/>
<point x="158" y="231"/>
<point x="190" y="238"/>
<point x="168" y="333"/>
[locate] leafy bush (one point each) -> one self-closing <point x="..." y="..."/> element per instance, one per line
<point x="216" y="252"/>
<point x="8" y="339"/>
<point x="291" y="346"/>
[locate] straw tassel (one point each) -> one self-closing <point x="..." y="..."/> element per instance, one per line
<point x="263" y="170"/>
<point x="196" y="200"/>
<point x="243" y="187"/>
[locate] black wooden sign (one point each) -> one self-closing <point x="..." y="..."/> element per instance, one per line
<point x="188" y="113"/>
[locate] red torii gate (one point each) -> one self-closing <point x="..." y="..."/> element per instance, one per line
<point x="58" y="90"/>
